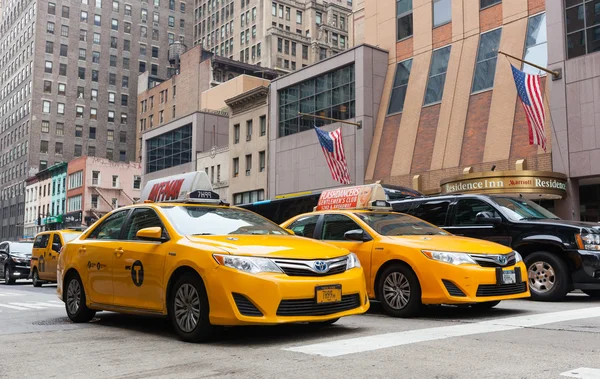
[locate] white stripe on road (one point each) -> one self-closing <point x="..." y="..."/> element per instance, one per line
<point x="13" y="307"/>
<point x="37" y="305"/>
<point x="583" y="373"/>
<point x="8" y="294"/>
<point x="381" y="341"/>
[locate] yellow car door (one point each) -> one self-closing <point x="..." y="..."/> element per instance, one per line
<point x="52" y="251"/>
<point x="40" y="250"/>
<point x="139" y="264"/>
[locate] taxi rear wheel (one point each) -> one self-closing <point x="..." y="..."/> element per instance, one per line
<point x="189" y="309"/>
<point x="399" y="291"/>
<point x="75" y="304"/>
<point x="548" y="276"/>
<point x="36" y="279"/>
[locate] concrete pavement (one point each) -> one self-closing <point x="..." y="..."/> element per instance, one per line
<point x="518" y="339"/>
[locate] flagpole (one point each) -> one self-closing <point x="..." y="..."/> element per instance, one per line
<point x="555" y="74"/>
<point x="357" y="124"/>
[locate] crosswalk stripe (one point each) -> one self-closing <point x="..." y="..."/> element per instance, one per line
<point x="583" y="373"/>
<point x="36" y="305"/>
<point x="381" y="341"/>
<point x="8" y="294"/>
<point x="17" y="308"/>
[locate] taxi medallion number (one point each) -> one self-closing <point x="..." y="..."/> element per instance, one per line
<point x="329" y="294"/>
<point x="509" y="277"/>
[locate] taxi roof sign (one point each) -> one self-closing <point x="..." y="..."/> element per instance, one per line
<point x="183" y="187"/>
<point x="370" y="196"/>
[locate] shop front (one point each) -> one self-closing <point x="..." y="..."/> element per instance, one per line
<point x="72" y="220"/>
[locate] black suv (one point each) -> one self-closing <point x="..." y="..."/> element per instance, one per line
<point x="15" y="260"/>
<point x="560" y="255"/>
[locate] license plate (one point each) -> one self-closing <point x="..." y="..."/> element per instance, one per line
<point x="329" y="294"/>
<point x="509" y="277"/>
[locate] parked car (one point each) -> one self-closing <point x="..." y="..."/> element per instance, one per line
<point x="15" y="260"/>
<point x="46" y="248"/>
<point x="560" y="255"/>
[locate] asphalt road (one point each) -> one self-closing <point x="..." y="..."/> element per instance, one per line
<point x="518" y="339"/>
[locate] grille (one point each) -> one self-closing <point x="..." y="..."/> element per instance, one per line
<point x="245" y="306"/>
<point x="488" y="290"/>
<point x="297" y="267"/>
<point x="453" y="290"/>
<point x="492" y="260"/>
<point x="308" y="307"/>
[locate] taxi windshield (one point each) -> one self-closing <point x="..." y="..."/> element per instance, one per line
<point x="69" y="236"/>
<point x="397" y="224"/>
<point x="204" y="221"/>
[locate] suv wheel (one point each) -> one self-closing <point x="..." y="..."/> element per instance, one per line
<point x="592" y="293"/>
<point x="8" y="279"/>
<point x="36" y="279"/>
<point x="189" y="309"/>
<point x="399" y="291"/>
<point x="548" y="276"/>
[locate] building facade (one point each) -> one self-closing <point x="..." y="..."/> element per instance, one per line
<point x="215" y="163"/>
<point x="284" y="35"/>
<point x="68" y="78"/>
<point x="96" y="186"/>
<point x="248" y="141"/>
<point x="30" y="227"/>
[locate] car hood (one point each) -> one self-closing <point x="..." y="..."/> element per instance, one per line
<point x="568" y="223"/>
<point x="20" y="255"/>
<point x="451" y="244"/>
<point x="272" y="246"/>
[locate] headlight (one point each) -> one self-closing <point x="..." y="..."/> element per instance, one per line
<point x="449" y="257"/>
<point x="250" y="265"/>
<point x="352" y="261"/>
<point x="20" y="260"/>
<point x="588" y="241"/>
<point x="518" y="257"/>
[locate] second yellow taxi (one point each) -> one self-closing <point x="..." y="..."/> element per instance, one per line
<point x="44" y="255"/>
<point x="409" y="262"/>
<point x="186" y="255"/>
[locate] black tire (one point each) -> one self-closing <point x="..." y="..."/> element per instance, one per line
<point x="36" y="278"/>
<point x="7" y="276"/>
<point x="485" y="305"/>
<point x="191" y="284"/>
<point x="392" y="304"/>
<point x="551" y="280"/>
<point x="592" y="293"/>
<point x="75" y="300"/>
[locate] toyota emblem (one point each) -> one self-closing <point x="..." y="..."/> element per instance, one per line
<point x="321" y="266"/>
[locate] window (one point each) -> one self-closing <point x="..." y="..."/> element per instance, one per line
<point x="171" y="21"/>
<point x="92" y="132"/>
<point x="95" y="75"/>
<point x="467" y="210"/>
<point x="127" y="10"/>
<point x="81" y="73"/>
<point x="45" y="126"/>
<point x="110" y="229"/>
<point x="155" y="34"/>
<point x="96" y="38"/>
<point x="64" y="31"/>
<point x="404" y="25"/>
<point x="99" y="4"/>
<point x="77" y="150"/>
<point x="115" y="6"/>
<point x="79" y="113"/>
<point x="304" y="52"/>
<point x="170" y="149"/>
<point x="114" y="42"/>
<point x="156" y="17"/>
<point x="336" y="225"/>
<point x="287" y="13"/>
<point x="137" y="182"/>
<point x="319" y="18"/>
<point x="126" y="45"/>
<point x="84" y="16"/>
<point x="113" y="61"/>
<point x="305" y="226"/>
<point x="74" y="203"/>
<point x="64" y="50"/>
<point x="94" y="204"/>
<point x="487" y="55"/>
<point x="62" y="69"/>
<point x="263" y="125"/>
<point x="280" y="11"/>
<point x="75" y="180"/>
<point x="432" y="211"/>
<point x="437" y="75"/>
<point x="298" y="17"/>
<point x="60" y="108"/>
<point x="274" y="9"/>
<point x="83" y="35"/>
<point x="126" y="63"/>
<point x="82" y="54"/>
<point x="182" y="7"/>
<point x="93" y="114"/>
<point x="124" y="99"/>
<point x="261" y="161"/>
<point x="115" y="181"/>
<point x="154" y="51"/>
<point x="65" y="11"/>
<point x="536" y="48"/>
<point x="62" y="89"/>
<point x="399" y="87"/>
<point x="46" y="106"/>
<point x="49" y="47"/>
<point x="50" y="27"/>
<point x="97" y="20"/>
<point x="181" y="23"/>
<point x="122" y="156"/>
<point x="47" y="86"/>
<point x="248" y="130"/>
<point x="154" y="69"/>
<point x="125" y="82"/>
<point x="279" y="45"/>
<point x="114" y="24"/>
<point x="142" y="218"/>
<point x="442" y="12"/>
<point x="60" y="129"/>
<point x="248" y="164"/>
<point x="331" y="95"/>
<point x="236" y="167"/>
<point x="51" y="8"/>
<point x="489" y="3"/>
<point x="111" y="116"/>
<point x="78" y="131"/>
<point x="110" y="135"/>
<point x="236" y="133"/>
<point x="109" y="153"/>
<point x="144" y="32"/>
<point x="58" y="148"/>
<point x="172" y="5"/>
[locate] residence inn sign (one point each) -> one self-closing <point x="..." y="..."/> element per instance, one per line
<point x="534" y="184"/>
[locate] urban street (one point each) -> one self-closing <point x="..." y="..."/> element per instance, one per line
<point x="518" y="339"/>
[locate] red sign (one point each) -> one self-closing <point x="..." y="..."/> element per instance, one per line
<point x="167" y="190"/>
<point x="345" y="198"/>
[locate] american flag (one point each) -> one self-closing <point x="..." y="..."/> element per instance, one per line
<point x="529" y="89"/>
<point x="333" y="148"/>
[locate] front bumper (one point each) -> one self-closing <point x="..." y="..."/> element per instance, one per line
<point x="20" y="271"/>
<point x="467" y="284"/>
<point x="238" y="298"/>
<point x="586" y="270"/>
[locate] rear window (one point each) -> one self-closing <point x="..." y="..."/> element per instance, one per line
<point x="432" y="211"/>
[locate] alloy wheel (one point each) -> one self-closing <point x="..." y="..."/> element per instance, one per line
<point x="541" y="277"/>
<point x="396" y="290"/>
<point x="73" y="296"/>
<point x="187" y="307"/>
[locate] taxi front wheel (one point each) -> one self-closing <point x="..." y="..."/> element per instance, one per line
<point x="399" y="291"/>
<point x="75" y="305"/>
<point x="189" y="309"/>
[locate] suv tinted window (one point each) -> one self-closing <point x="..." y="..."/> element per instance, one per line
<point x="335" y="226"/>
<point x="41" y="241"/>
<point x="432" y="211"/>
<point x="467" y="210"/>
<point x="305" y="226"/>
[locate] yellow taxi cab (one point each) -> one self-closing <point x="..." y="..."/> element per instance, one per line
<point x="409" y="262"/>
<point x="44" y="255"/>
<point x="185" y="254"/>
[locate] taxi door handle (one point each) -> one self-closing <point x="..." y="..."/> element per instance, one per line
<point x="119" y="252"/>
<point x="81" y="250"/>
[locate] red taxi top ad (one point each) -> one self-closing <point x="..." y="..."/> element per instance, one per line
<point x="345" y="198"/>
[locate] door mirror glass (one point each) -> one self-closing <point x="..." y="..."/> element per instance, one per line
<point x="150" y="234"/>
<point x="488" y="218"/>
<point x="357" y="235"/>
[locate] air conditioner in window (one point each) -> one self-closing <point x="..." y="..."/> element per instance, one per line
<point x="247" y="172"/>
<point x="249" y="137"/>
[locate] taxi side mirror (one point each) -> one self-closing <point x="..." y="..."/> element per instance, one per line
<point x="358" y="235"/>
<point x="151" y="234"/>
<point x="291" y="232"/>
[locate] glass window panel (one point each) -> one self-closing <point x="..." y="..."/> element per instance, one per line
<point x="592" y="13"/>
<point x="536" y="46"/>
<point x="405" y="27"/>
<point x="593" y="39"/>
<point x="400" y="84"/>
<point x="442" y="12"/>
<point x="403" y="6"/>
<point x="488" y="45"/>
<point x="575" y="19"/>
<point x="576" y="44"/>
<point x="484" y="75"/>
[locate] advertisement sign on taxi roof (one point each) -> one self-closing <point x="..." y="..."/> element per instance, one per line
<point x="350" y="197"/>
<point x="178" y="187"/>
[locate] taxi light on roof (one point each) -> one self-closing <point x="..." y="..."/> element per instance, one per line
<point x="189" y="186"/>
<point x="359" y="197"/>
